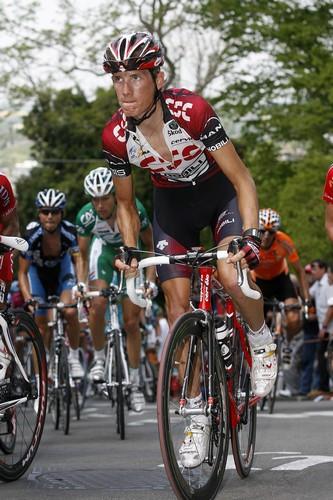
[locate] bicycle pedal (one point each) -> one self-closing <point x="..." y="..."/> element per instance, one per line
<point x="5" y="390"/>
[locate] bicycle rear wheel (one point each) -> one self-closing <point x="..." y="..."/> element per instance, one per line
<point x="21" y="425"/>
<point x="187" y="345"/>
<point x="243" y="434"/>
<point x="148" y="380"/>
<point x="120" y="404"/>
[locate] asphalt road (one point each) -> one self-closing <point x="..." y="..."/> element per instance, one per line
<point x="294" y="458"/>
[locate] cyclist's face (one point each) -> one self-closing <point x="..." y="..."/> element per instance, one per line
<point x="104" y="205"/>
<point x="135" y="91"/>
<point x="50" y="218"/>
<point x="267" y="239"/>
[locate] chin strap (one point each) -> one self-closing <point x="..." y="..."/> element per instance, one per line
<point x="150" y="111"/>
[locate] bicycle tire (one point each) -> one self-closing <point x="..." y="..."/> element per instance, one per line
<point x="148" y="378"/>
<point x="53" y="399"/>
<point x="205" y="480"/>
<point x="76" y="400"/>
<point x="120" y="403"/>
<point x="270" y="399"/>
<point x="243" y="434"/>
<point x="64" y="390"/>
<point x="30" y="415"/>
<point x="273" y="392"/>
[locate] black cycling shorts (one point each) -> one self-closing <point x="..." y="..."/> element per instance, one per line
<point x="281" y="287"/>
<point x="181" y="213"/>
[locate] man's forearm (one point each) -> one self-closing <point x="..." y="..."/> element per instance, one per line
<point x="129" y="225"/>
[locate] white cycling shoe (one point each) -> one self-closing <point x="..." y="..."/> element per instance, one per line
<point x="264" y="368"/>
<point x="193" y="451"/>
<point x="137" y="400"/>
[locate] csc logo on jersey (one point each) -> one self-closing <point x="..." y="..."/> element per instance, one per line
<point x="179" y="108"/>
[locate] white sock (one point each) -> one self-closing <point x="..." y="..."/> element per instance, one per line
<point x="99" y="354"/>
<point x="260" y="337"/>
<point x="74" y="353"/>
<point x="134" y="376"/>
<point x="194" y="402"/>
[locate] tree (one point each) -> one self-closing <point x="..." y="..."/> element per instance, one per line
<point x="66" y="132"/>
<point x="65" y="129"/>
<point x="282" y="97"/>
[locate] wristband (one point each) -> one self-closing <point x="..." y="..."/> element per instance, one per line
<point x="253" y="231"/>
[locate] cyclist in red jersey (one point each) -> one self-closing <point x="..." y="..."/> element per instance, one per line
<point x="199" y="180"/>
<point x="9" y="226"/>
<point x="328" y="197"/>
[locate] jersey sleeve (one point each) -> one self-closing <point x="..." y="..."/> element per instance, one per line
<point x="114" y="138"/>
<point x="289" y="246"/>
<point x="143" y="216"/>
<point x="328" y="186"/>
<point x="70" y="232"/>
<point x="85" y="221"/>
<point x="7" y="198"/>
<point x="197" y="117"/>
<point x="32" y="232"/>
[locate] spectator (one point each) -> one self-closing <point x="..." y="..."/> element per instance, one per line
<point x="311" y="330"/>
<point x="322" y="292"/>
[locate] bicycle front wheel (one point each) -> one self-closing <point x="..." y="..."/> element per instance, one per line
<point x="243" y="434"/>
<point x="64" y="392"/>
<point x="21" y="424"/>
<point x="183" y="375"/>
<point x="120" y="389"/>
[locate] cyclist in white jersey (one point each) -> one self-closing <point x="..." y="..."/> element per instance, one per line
<point x="99" y="242"/>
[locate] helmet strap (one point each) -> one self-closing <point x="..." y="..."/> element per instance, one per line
<point x="150" y="111"/>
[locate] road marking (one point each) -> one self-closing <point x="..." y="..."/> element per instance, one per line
<point x="306" y="414"/>
<point x="303" y="462"/>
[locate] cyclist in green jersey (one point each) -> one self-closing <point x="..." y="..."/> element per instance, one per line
<point x="99" y="242"/>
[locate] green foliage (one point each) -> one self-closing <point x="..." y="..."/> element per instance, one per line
<point x="65" y="129"/>
<point x="66" y="132"/>
<point x="302" y="209"/>
<point x="282" y="103"/>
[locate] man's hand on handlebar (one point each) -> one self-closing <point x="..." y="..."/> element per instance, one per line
<point x="151" y="290"/>
<point x="79" y="290"/>
<point x="30" y="305"/>
<point x="127" y="261"/>
<point x="247" y="249"/>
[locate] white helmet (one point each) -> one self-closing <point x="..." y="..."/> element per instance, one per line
<point x="269" y="219"/>
<point x="98" y="182"/>
<point x="50" y="198"/>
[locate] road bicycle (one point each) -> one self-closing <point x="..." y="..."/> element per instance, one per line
<point x="23" y="387"/>
<point x="63" y="390"/>
<point x="219" y="370"/>
<point x="277" y="313"/>
<point x="117" y="383"/>
<point x="148" y="358"/>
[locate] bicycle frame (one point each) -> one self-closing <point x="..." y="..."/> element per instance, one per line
<point x="112" y="329"/>
<point x="205" y="304"/>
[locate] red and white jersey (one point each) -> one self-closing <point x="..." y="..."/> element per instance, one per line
<point x="7" y="198"/>
<point x="191" y="130"/>
<point x="328" y="188"/>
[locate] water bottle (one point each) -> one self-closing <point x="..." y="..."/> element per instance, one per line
<point x="223" y="338"/>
